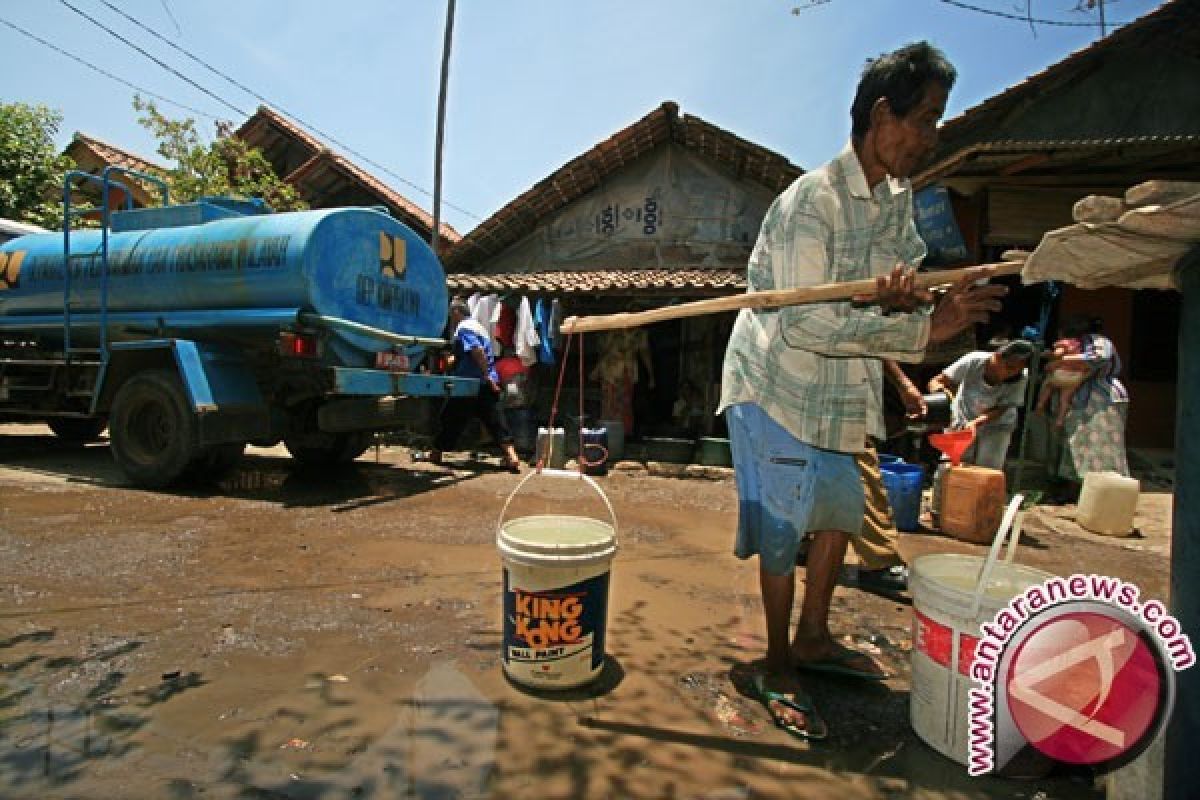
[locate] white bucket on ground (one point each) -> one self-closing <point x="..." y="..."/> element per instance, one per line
<point x="556" y="575"/>
<point x="551" y="447"/>
<point x="1107" y="503"/>
<point x="952" y="595"/>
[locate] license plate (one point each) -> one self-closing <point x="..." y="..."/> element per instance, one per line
<point x="393" y="362"/>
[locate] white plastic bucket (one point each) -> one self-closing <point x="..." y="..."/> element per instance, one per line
<point x="952" y="596"/>
<point x="556" y="575"/>
<point x="551" y="447"/>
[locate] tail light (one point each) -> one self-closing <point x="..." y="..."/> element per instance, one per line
<point x="298" y="345"/>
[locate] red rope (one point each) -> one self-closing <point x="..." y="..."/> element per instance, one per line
<point x="581" y="461"/>
<point x="584" y="461"/>
<point x="562" y="370"/>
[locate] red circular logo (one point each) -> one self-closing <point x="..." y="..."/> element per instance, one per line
<point x="1084" y="688"/>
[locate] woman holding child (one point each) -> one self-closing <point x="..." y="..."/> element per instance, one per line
<point x="1093" y="428"/>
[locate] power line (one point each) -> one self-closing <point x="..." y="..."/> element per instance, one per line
<point x="161" y="63"/>
<point x="105" y="72"/>
<point x="796" y="10"/>
<point x="288" y="113"/>
<point x="993" y="12"/>
<point x="174" y="21"/>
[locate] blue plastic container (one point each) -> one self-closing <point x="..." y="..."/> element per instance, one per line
<point x="887" y="458"/>
<point x="903" y="484"/>
<point x="595" y="451"/>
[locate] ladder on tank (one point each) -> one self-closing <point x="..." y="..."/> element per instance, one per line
<point x="94" y="358"/>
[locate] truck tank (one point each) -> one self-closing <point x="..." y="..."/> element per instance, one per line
<point x="355" y="264"/>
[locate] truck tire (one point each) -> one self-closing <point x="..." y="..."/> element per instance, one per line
<point x="77" y="429"/>
<point x="153" y="429"/>
<point x="328" y="448"/>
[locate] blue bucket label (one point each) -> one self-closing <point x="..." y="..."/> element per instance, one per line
<point x="544" y="629"/>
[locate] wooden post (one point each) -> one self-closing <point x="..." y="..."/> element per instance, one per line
<point x="436" y="235"/>
<point x="1182" y="767"/>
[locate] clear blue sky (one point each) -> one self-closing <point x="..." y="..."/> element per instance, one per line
<point x="532" y="84"/>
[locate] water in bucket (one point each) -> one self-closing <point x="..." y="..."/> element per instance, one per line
<point x="556" y="577"/>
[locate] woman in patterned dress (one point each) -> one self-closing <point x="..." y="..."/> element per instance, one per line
<point x="1093" y="435"/>
<point x="622" y="351"/>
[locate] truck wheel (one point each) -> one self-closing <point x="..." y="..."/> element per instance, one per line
<point x="77" y="429"/>
<point x="153" y="429"/>
<point x="328" y="448"/>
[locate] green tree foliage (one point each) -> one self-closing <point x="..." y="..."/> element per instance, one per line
<point x="31" y="168"/>
<point x="224" y="166"/>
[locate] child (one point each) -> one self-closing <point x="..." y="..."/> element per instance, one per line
<point x="1062" y="377"/>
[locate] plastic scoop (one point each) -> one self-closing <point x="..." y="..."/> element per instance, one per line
<point x="953" y="443"/>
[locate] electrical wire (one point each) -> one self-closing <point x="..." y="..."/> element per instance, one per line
<point x="105" y="72"/>
<point x="175" y="22"/>
<point x="153" y="58"/>
<point x="280" y="108"/>
<point x="1020" y="18"/>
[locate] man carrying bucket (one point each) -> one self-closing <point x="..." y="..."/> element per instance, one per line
<point x="802" y="385"/>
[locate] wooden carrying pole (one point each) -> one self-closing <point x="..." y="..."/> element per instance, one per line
<point x="824" y="293"/>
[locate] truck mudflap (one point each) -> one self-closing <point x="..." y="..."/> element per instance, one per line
<point x="214" y="376"/>
<point x="380" y="383"/>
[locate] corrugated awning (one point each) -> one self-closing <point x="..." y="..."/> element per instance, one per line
<point x="682" y="282"/>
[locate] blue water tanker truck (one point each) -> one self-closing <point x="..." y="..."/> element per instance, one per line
<point x="191" y="330"/>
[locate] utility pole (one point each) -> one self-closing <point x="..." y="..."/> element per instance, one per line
<point x="1103" y="29"/>
<point x="1182" y="769"/>
<point x="435" y="238"/>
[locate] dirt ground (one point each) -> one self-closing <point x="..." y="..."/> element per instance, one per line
<point x="290" y="634"/>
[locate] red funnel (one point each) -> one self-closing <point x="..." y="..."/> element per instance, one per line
<point x="953" y="443"/>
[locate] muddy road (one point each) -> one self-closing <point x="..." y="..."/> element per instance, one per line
<point x="291" y="634"/>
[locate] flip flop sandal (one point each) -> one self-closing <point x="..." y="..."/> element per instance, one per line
<point x="796" y="701"/>
<point x="839" y="664"/>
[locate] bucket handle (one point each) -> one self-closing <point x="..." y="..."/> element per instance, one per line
<point x="568" y="474"/>
<point x="1010" y="524"/>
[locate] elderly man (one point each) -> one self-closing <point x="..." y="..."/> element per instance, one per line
<point x="802" y="386"/>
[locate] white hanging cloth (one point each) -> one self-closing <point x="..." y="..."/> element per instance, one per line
<point x="526" y="339"/>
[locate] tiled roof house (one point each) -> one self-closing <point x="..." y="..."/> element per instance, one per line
<point x="667" y="208"/>
<point x="327" y="179"/>
<point x="709" y="189"/>
<point x="93" y="155"/>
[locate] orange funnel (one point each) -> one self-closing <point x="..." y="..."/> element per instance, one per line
<point x="953" y="443"/>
